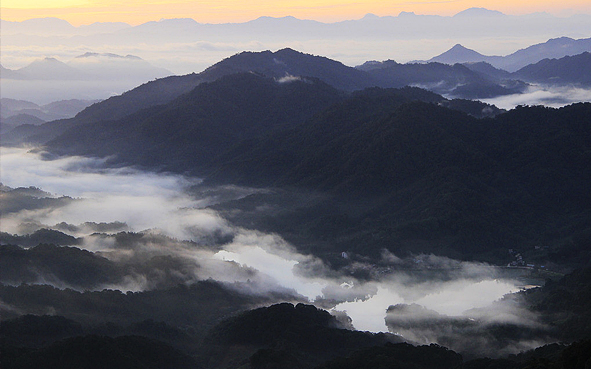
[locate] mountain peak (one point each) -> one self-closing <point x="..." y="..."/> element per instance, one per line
<point x="182" y="21"/>
<point x="48" y="59"/>
<point x="479" y="12"/>
<point x="288" y="51"/>
<point x="560" y="40"/>
<point x="458" y="47"/>
<point x="49" y="21"/>
<point x="271" y="19"/>
<point x="50" y="69"/>
<point x="458" y="54"/>
<point x="107" y="55"/>
<point x="369" y="16"/>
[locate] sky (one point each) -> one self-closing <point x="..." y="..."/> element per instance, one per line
<point x="134" y="12"/>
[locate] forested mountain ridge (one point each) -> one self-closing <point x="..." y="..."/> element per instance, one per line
<point x="428" y="175"/>
<point x="438" y="177"/>
<point x="574" y="70"/>
<point x="282" y="64"/>
<point x="189" y="131"/>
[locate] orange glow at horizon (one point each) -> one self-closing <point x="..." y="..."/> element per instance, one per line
<point x="134" y="12"/>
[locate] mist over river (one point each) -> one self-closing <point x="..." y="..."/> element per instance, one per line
<point x="75" y="195"/>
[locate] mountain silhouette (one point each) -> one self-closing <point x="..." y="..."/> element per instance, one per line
<point x="553" y="48"/>
<point x="51" y="69"/>
<point x="567" y="70"/>
<point x="458" y="54"/>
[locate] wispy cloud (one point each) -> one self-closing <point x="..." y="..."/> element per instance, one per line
<point x="540" y="95"/>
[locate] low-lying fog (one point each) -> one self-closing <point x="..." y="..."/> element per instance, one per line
<point x="552" y="96"/>
<point x="81" y="194"/>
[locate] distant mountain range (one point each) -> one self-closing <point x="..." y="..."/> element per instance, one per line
<point x="50" y="69"/>
<point x="471" y="80"/>
<point x="89" y="66"/>
<point x="490" y="22"/>
<point x="567" y="70"/>
<point x="54" y="26"/>
<point x="90" y="76"/>
<point x="185" y="45"/>
<point x="18" y="112"/>
<point x="284" y="65"/>
<point x="454" y="80"/>
<point x="552" y="49"/>
<point x="55" y="110"/>
<point x="480" y="76"/>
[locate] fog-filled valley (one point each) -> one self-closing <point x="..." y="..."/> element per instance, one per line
<point x="88" y="231"/>
<point x="280" y="209"/>
<point x="132" y="221"/>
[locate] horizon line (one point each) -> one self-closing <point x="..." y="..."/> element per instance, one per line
<point x="366" y="15"/>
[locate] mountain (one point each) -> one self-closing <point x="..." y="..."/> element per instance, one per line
<point x="214" y="118"/>
<point x="434" y="76"/>
<point x="66" y="108"/>
<point x="574" y="306"/>
<point x="242" y="163"/>
<point x="285" y="65"/>
<point x="281" y="64"/>
<point x="6" y="73"/>
<point x="102" y="27"/>
<point x="19" y="119"/>
<point x="472" y="81"/>
<point x="575" y="70"/>
<point x="89" y="66"/>
<point x="193" y="46"/>
<point x="89" y="76"/>
<point x="392" y="155"/>
<point x="47" y="26"/>
<point x="13" y="106"/>
<point x="209" y="119"/>
<point x="146" y="95"/>
<point x="52" y="111"/>
<point x="285" y="335"/>
<point x="7" y="124"/>
<point x="486" y="69"/>
<point x="24" y="121"/>
<point x="403" y="168"/>
<point x="51" y="69"/>
<point x="288" y="62"/>
<point x="553" y="48"/>
<point x="457" y="54"/>
<point x="456" y="80"/>
<point x="401" y="355"/>
<point x="478" y="12"/>
<point x="294" y="337"/>
<point x="79" y="269"/>
<point x="94" y="351"/>
<point x="55" y="27"/>
<point x="106" y="66"/>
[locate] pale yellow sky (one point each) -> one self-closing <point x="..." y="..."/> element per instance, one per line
<point x="135" y="12"/>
